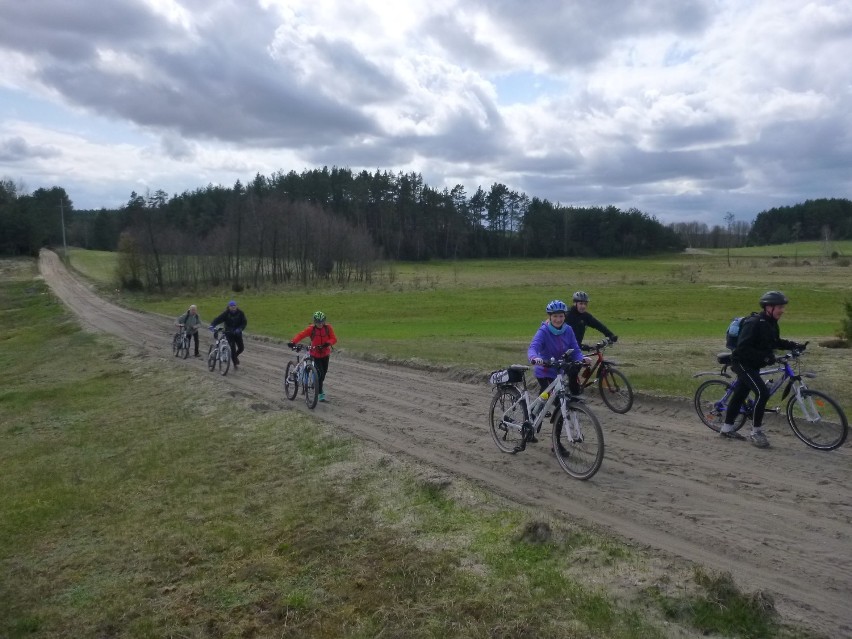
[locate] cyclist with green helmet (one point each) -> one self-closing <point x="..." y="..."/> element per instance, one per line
<point x="759" y="337"/>
<point x="322" y="339"/>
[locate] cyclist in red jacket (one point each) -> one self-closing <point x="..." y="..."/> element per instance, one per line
<point x="322" y="339"/>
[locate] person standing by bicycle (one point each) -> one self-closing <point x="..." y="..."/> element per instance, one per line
<point x="578" y="318"/>
<point x="553" y="339"/>
<point x="191" y="322"/>
<point x="322" y="339"/>
<point x="759" y="336"/>
<point x="235" y="322"/>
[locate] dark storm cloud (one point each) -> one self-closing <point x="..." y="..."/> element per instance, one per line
<point x="17" y="149"/>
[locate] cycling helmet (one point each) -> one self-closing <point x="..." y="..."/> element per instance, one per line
<point x="773" y="298"/>
<point x="556" y="306"/>
<point x="580" y="296"/>
<point x="319" y="316"/>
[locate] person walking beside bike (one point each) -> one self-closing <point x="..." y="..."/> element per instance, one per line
<point x="235" y="322"/>
<point x="759" y="336"/>
<point x="553" y="339"/>
<point x="578" y="318"/>
<point x="191" y="321"/>
<point x="322" y="339"/>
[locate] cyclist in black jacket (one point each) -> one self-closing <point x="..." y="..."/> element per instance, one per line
<point x="578" y="318"/>
<point x="759" y="337"/>
<point x="235" y="323"/>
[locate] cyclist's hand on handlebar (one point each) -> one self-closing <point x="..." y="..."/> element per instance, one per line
<point x="587" y="361"/>
<point x="538" y="361"/>
<point x="801" y="347"/>
<point x="586" y="348"/>
<point x="613" y="338"/>
<point x="291" y="344"/>
<point x="771" y="359"/>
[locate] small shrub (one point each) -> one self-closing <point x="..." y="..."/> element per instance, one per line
<point x="845" y="332"/>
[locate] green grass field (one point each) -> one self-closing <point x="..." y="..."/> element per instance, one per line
<point x="670" y="311"/>
<point x="220" y="517"/>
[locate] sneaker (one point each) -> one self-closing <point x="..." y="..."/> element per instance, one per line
<point x="731" y="435"/>
<point x="197" y="355"/>
<point x="563" y="452"/>
<point x="759" y="439"/>
<point x="322" y="397"/>
<point x="532" y="439"/>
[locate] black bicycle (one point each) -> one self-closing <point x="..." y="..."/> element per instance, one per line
<point x="814" y="417"/>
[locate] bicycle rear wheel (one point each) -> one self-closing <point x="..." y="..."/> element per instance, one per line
<point x="506" y="419"/>
<point x="224" y="359"/>
<point x="579" y="445"/>
<point x="817" y="420"/>
<point x="291" y="384"/>
<point x="711" y="404"/>
<point x="615" y="389"/>
<point x="211" y="357"/>
<point x="311" y="386"/>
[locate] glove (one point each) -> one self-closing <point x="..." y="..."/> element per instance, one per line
<point x="238" y="331"/>
<point x="801" y="347"/>
<point x="291" y="344"/>
<point x="613" y="338"/>
<point x="770" y="359"/>
<point x="537" y="361"/>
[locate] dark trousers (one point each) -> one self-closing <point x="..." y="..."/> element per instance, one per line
<point x="749" y="381"/>
<point x="321" y="364"/>
<point x="194" y="335"/>
<point x="235" y="341"/>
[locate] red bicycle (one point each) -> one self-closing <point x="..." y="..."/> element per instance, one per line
<point x="613" y="385"/>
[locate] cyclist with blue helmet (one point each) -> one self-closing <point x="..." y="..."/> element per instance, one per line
<point x="553" y="339"/>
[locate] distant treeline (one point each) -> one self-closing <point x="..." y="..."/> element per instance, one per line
<point x="336" y="224"/>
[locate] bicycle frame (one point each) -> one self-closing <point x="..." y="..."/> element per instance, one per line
<point x="596" y="369"/>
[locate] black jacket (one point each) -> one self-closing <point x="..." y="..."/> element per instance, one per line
<point x="232" y="321"/>
<point x="579" y="321"/>
<point x="759" y="337"/>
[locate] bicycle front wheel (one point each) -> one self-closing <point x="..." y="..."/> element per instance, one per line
<point x="212" y="357"/>
<point x="176" y="344"/>
<point x="224" y="359"/>
<point x="311" y="386"/>
<point x="183" y="351"/>
<point x="817" y="420"/>
<point x="615" y="389"/>
<point x="506" y="419"/>
<point x="291" y="384"/>
<point x="579" y="444"/>
<point x="711" y="404"/>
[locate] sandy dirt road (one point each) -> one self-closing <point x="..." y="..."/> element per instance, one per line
<point x="779" y="520"/>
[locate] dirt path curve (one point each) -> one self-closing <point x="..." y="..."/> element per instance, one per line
<point x="777" y="519"/>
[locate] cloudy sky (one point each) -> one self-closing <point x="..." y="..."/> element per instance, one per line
<point x="685" y="109"/>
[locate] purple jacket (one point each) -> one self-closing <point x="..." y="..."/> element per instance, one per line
<point x="546" y="345"/>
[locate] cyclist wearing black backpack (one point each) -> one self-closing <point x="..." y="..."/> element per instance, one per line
<point x="578" y="318"/>
<point x="322" y="339"/>
<point x="759" y="336"/>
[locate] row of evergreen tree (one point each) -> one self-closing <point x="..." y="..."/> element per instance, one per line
<point x="334" y="222"/>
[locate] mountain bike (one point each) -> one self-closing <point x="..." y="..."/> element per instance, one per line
<point x="814" y="417"/>
<point x="180" y="342"/>
<point x="613" y="385"/>
<point x="219" y="354"/>
<point x="302" y="372"/>
<point x="515" y="417"/>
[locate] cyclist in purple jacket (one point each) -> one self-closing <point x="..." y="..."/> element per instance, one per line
<point x="553" y="339"/>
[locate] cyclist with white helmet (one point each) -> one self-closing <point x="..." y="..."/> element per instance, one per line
<point x="322" y="339"/>
<point x="578" y="318"/>
<point x="759" y="336"/>
<point x="553" y="339"/>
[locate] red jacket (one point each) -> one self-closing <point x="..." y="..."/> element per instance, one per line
<point x="324" y="335"/>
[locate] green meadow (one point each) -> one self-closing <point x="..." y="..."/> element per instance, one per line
<point x="669" y="311"/>
<point x="221" y="517"/>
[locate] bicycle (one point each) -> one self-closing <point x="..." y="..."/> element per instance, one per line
<point x="219" y="353"/>
<point x="302" y="372"/>
<point x="180" y="342"/>
<point x="515" y="418"/>
<point x="814" y="417"/>
<point x="613" y="385"/>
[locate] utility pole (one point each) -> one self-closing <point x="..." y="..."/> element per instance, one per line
<point x="62" y="217"/>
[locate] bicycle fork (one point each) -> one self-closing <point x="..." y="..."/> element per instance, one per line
<point x="571" y="424"/>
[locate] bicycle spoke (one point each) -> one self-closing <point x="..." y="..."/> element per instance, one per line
<point x="579" y="443"/>
<point x="506" y="419"/>
<point x="817" y="420"/>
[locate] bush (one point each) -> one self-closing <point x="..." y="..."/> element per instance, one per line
<point x="846" y="324"/>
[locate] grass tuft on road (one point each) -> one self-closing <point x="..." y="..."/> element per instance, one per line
<point x="138" y="499"/>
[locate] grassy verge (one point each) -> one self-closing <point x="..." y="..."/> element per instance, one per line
<point x="139" y="501"/>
